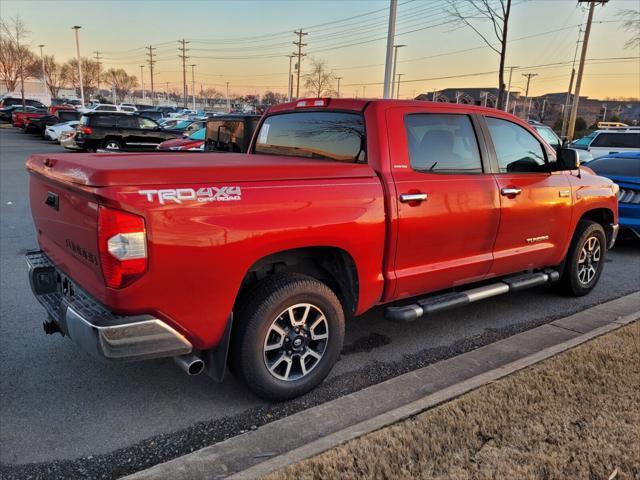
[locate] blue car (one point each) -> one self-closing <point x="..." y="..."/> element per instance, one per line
<point x="623" y="169"/>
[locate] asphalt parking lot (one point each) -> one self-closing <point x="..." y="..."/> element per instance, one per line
<point x="74" y="416"/>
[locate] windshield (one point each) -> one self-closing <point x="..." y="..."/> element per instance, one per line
<point x="199" y="135"/>
<point x="585" y="140"/>
<point x="327" y="135"/>
<point x="182" y="125"/>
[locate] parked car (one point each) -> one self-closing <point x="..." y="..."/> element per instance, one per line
<point x="612" y="140"/>
<point x="152" y="114"/>
<point x="100" y="107"/>
<point x="192" y="143"/>
<point x="168" y="122"/>
<point x="62" y="106"/>
<point x="230" y="133"/>
<point x="39" y="125"/>
<point x="19" y="115"/>
<point x="339" y="205"/>
<point x="127" y="107"/>
<point x="119" y="131"/>
<point x="9" y="101"/>
<point x="68" y="140"/>
<point x="186" y="127"/>
<point x="53" y="132"/>
<point x="624" y="170"/>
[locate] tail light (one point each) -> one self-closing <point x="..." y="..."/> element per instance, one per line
<point x="86" y="130"/>
<point x="122" y="241"/>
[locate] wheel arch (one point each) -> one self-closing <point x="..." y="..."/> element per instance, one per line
<point x="604" y="216"/>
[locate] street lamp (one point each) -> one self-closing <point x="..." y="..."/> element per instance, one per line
<point x="395" y="60"/>
<point x="77" y="29"/>
<point x="338" y="92"/>
<point x="193" y="85"/>
<point x="44" y="75"/>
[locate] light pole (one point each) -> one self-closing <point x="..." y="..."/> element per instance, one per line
<point x="395" y="60"/>
<point x="338" y="92"/>
<point x="391" y="33"/>
<point x="506" y="102"/>
<point x="193" y="85"/>
<point x="44" y="74"/>
<point x="77" y="29"/>
<point x="399" y="78"/>
<point x="142" y="81"/>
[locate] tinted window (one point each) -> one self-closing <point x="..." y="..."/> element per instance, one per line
<point x="126" y="121"/>
<point x="103" y="121"/>
<point x="107" y="108"/>
<point x="327" y="135"/>
<point x="625" y="167"/>
<point x="147" y="124"/>
<point x="548" y="136"/>
<point x="517" y="150"/>
<point x="225" y="135"/>
<point x="66" y="116"/>
<point x="442" y="144"/>
<point x="619" y="140"/>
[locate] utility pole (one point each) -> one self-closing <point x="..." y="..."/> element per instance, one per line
<point x="193" y="84"/>
<point x="299" y="44"/>
<point x="391" y="34"/>
<point x="142" y="81"/>
<point x="77" y="29"/>
<point x="526" y="95"/>
<point x="506" y="102"/>
<point x="338" y="92"/>
<point x="604" y="114"/>
<point x="44" y="74"/>
<point x="183" y="48"/>
<point x="399" y="77"/>
<point x="583" y="55"/>
<point x="151" y="63"/>
<point x="567" y="101"/>
<point x="228" y="100"/>
<point x="290" y="83"/>
<point x="364" y="91"/>
<point x="393" y="73"/>
<point x="99" y="63"/>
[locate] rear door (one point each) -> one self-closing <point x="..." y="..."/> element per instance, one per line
<point x="448" y="206"/>
<point x="127" y="127"/>
<point x="535" y="204"/>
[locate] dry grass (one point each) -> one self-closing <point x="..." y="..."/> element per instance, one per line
<point x="574" y="416"/>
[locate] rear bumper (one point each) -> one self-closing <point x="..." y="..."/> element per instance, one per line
<point x="92" y="326"/>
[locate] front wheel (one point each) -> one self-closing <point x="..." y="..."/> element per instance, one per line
<point x="585" y="259"/>
<point x="289" y="335"/>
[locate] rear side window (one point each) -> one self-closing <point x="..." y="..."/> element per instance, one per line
<point x="326" y="135"/>
<point x="517" y="150"/>
<point x="108" y="121"/>
<point x="617" y="140"/>
<point x="126" y="121"/>
<point x="442" y="144"/>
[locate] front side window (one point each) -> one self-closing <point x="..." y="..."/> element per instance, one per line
<point x="325" y="135"/>
<point x="517" y="150"/>
<point x="617" y="140"/>
<point x="442" y="144"/>
<point x="147" y="124"/>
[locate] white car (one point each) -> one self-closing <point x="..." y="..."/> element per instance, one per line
<point x="100" y="107"/>
<point x="53" y="132"/>
<point x="127" y="107"/>
<point x="611" y="140"/>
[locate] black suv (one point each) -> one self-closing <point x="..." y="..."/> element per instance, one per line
<point x="119" y="131"/>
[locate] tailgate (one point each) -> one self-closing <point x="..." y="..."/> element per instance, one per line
<point x="66" y="221"/>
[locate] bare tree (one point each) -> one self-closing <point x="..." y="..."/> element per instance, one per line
<point x="319" y="81"/>
<point x="121" y="81"/>
<point x="210" y="94"/>
<point x="497" y="13"/>
<point x="53" y="75"/>
<point x="273" y="98"/>
<point x="15" y="57"/>
<point x="90" y="71"/>
<point x="632" y="26"/>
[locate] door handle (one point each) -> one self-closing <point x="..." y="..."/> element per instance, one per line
<point x="413" y="197"/>
<point x="510" y="192"/>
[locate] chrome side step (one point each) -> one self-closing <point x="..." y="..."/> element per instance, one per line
<point x="447" y="301"/>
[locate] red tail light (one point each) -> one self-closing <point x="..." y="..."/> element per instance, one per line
<point x="86" y="130"/>
<point x="122" y="241"/>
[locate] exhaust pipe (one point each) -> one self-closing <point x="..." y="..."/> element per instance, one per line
<point x="190" y="363"/>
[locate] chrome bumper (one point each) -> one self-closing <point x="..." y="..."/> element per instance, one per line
<point x="614" y="235"/>
<point x="92" y="326"/>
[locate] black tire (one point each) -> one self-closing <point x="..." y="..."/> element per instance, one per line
<point x="262" y="308"/>
<point x="574" y="281"/>
<point x="112" y="144"/>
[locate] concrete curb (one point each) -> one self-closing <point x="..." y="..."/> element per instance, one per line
<point x="313" y="431"/>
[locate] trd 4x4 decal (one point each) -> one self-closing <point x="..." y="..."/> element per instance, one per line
<point x="202" y="194"/>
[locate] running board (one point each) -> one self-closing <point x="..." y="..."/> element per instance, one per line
<point x="447" y="301"/>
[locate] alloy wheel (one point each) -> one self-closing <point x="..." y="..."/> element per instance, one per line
<point x="589" y="260"/>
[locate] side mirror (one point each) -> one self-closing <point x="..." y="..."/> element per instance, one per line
<point x="568" y="159"/>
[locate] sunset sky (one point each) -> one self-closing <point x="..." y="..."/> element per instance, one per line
<point x="246" y="42"/>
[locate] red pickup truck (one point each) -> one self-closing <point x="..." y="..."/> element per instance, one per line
<point x="255" y="260"/>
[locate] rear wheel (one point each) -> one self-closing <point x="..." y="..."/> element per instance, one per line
<point x="289" y="335"/>
<point x="585" y="259"/>
<point x="112" y="144"/>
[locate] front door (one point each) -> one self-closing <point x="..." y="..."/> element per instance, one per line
<point x="448" y="207"/>
<point x="535" y="203"/>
